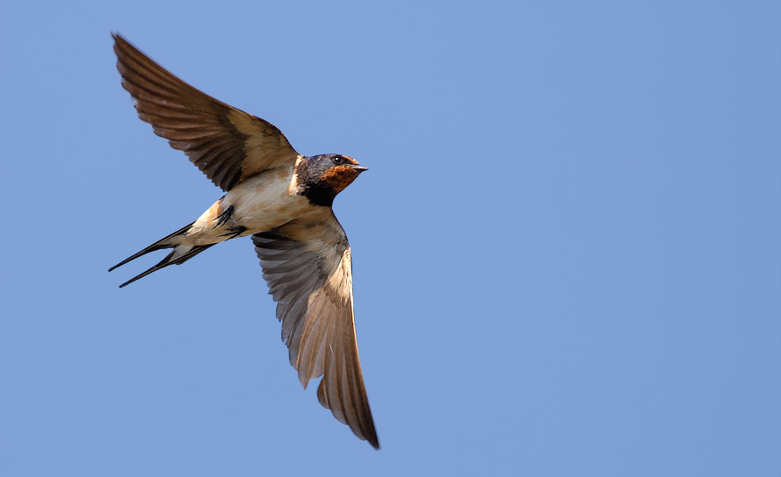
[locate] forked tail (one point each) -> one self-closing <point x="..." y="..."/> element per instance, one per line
<point x="179" y="254"/>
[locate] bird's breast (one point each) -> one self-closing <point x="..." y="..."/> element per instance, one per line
<point x="265" y="201"/>
<point x="262" y="202"/>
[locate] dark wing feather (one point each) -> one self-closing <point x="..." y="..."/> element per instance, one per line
<point x="308" y="267"/>
<point x="225" y="143"/>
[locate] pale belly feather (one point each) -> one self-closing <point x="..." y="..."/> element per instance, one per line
<point x="260" y="203"/>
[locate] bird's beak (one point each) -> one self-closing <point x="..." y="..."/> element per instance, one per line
<point x="360" y="168"/>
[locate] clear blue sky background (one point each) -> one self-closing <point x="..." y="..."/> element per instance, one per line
<point x="567" y="250"/>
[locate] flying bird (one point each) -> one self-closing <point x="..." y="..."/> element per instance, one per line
<point x="284" y="201"/>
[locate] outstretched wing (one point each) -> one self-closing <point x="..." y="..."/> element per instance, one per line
<point x="308" y="268"/>
<point x="225" y="143"/>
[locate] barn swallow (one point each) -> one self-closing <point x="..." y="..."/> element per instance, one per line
<point x="284" y="201"/>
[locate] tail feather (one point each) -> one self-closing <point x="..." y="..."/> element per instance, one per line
<point x="159" y="245"/>
<point x="179" y="254"/>
<point x="163" y="263"/>
<point x="170" y="260"/>
<point x="151" y="248"/>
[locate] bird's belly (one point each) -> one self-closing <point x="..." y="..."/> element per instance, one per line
<point x="261" y="203"/>
<point x="259" y="214"/>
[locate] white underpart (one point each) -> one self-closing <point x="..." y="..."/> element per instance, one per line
<point x="180" y="250"/>
<point x="260" y="203"/>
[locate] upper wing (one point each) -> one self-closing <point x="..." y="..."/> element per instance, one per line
<point x="227" y="144"/>
<point x="308" y="267"/>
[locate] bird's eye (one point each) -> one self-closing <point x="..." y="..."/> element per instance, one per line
<point x="337" y="160"/>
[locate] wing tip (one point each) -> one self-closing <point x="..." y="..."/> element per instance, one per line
<point x="374" y="441"/>
<point x="118" y="39"/>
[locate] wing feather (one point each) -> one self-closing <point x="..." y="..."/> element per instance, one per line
<point x="307" y="264"/>
<point x="225" y="143"/>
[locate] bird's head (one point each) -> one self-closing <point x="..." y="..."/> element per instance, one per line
<point x="326" y="175"/>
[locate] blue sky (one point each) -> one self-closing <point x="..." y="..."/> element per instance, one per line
<point x="567" y="249"/>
